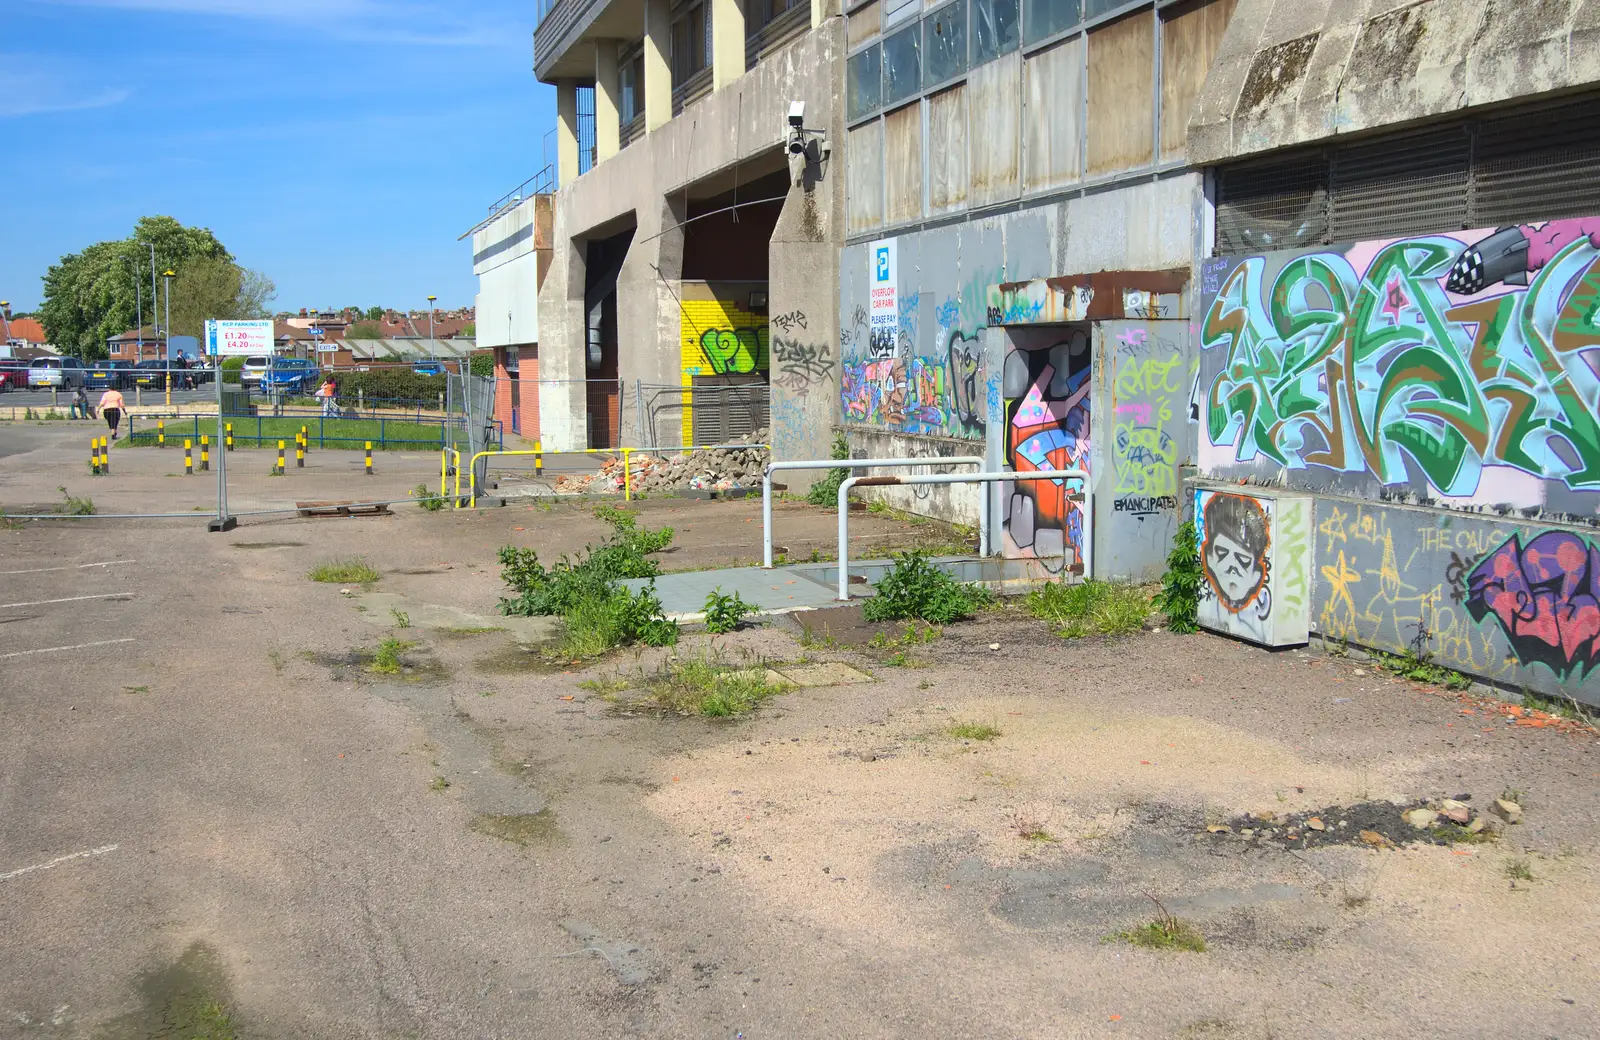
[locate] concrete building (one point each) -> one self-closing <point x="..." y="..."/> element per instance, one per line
<point x="693" y="251"/>
<point x="1396" y="331"/>
<point x="511" y="256"/>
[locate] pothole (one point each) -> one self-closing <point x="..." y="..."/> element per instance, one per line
<point x="1373" y="824"/>
<point x="406" y="662"/>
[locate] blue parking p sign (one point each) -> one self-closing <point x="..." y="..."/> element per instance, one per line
<point x="883" y="310"/>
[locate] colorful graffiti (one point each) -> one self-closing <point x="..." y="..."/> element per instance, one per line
<point x="1395" y="359"/>
<point x="967" y="399"/>
<point x="1047" y="427"/>
<point x="905" y="394"/>
<point x="1545" y="594"/>
<point x="1255" y="554"/>
<point x="718" y="337"/>
<point x="734" y="351"/>
<point x="1144" y="455"/>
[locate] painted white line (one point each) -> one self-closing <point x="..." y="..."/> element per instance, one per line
<point x="68" y="599"/>
<point x="101" y="851"/>
<point x="78" y="567"/>
<point x="58" y="649"/>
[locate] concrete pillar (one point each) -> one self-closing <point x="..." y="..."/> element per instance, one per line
<point x="727" y="42"/>
<point x="657" y="86"/>
<point x="822" y="10"/>
<point x="607" y="101"/>
<point x="566" y="132"/>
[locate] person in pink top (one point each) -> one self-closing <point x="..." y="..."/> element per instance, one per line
<point x="112" y="406"/>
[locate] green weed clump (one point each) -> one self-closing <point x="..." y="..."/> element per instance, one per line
<point x="705" y="684"/>
<point x="352" y="571"/>
<point x="915" y="588"/>
<point x="974" y="731"/>
<point x="74" y="506"/>
<point x="386" y="660"/>
<point x="586" y="591"/>
<point x="1179" y="598"/>
<point x="724" y="613"/>
<point x="428" y="499"/>
<point x="825" y="492"/>
<point x="1416" y="664"/>
<point x="1166" y="932"/>
<point x="1089" y="608"/>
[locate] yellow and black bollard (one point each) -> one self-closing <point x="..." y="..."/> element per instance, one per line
<point x="188" y="457"/>
<point x="538" y="458"/>
<point x="229" y="428"/>
<point x="305" y="438"/>
<point x="280" y="467"/>
<point x="300" y="454"/>
<point x="205" y="453"/>
<point x="161" y="433"/>
<point x="94" y="456"/>
<point x="369" y="458"/>
<point x="105" y="456"/>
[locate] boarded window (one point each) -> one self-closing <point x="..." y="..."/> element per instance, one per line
<point x="1121" y="94"/>
<point x="992" y="92"/>
<point x="863" y="156"/>
<point x="944" y="43"/>
<point x="1190" y="35"/>
<point x="865" y="89"/>
<point x="995" y="30"/>
<point x="1047" y="17"/>
<point x="862" y="25"/>
<point x="1052" y="145"/>
<point x="902" y="137"/>
<point x="947" y="150"/>
<point x="902" y="65"/>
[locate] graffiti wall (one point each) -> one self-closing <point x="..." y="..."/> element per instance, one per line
<point x="1047" y="411"/>
<point x="1256" y="560"/>
<point x="719" y="336"/>
<point x="1516" y="603"/>
<point x="1461" y="369"/>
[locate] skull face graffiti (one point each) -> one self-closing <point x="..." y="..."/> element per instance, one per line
<point x="1234" y="552"/>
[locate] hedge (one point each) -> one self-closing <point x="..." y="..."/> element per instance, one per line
<point x="390" y="384"/>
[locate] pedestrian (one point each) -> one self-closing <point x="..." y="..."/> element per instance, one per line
<point x="327" y="392"/>
<point x="112" y="407"/>
<point x="80" y="404"/>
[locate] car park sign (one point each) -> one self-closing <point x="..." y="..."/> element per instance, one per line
<point x="239" y="338"/>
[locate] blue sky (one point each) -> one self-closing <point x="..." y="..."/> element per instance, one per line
<point x="339" y="146"/>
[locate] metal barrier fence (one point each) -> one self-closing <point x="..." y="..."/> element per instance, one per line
<point x="539" y="454"/>
<point x="257" y="431"/>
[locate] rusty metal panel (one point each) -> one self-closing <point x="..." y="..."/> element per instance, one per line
<point x="1052" y="149"/>
<point x="1122" y="94"/>
<point x="992" y="92"/>
<point x="947" y="150"/>
<point x="1089" y="297"/>
<point x="1190" y="35"/>
<point x="863" y="155"/>
<point x="902" y="149"/>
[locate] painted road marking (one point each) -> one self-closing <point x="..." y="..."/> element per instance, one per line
<point x="68" y="599"/>
<point x="101" y="851"/>
<point x="78" y="567"/>
<point x="58" y="649"/>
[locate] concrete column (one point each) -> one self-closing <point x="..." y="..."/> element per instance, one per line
<point x="657" y="86"/>
<point x="822" y="10"/>
<point x="727" y="42"/>
<point x="566" y="131"/>
<point x="607" y="101"/>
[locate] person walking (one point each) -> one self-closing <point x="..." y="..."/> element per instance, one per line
<point x="327" y="392"/>
<point x="112" y="406"/>
<point x="80" y="404"/>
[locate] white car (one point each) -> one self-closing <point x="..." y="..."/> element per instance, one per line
<point x="61" y="373"/>
<point x="255" y="367"/>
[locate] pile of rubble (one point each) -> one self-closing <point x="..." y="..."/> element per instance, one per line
<point x="707" y="469"/>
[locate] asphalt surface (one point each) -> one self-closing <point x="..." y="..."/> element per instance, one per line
<point x="206" y="796"/>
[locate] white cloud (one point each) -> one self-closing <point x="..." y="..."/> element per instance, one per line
<point x="30" y="85"/>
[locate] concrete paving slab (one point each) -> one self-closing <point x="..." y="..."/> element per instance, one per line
<point x="530" y="631"/>
<point x="782" y="589"/>
<point x="824" y="673"/>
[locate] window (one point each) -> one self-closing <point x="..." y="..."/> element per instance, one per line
<point x="1048" y="17"/>
<point x="630" y="83"/>
<point x="902" y="61"/>
<point x="865" y="87"/>
<point x="691" y="35"/>
<point x="944" y="43"/>
<point x="994" y="29"/>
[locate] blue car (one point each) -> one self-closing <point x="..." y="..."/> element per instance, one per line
<point x="293" y="376"/>
<point x="428" y="368"/>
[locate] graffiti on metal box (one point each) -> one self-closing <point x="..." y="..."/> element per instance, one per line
<point x="1047" y="427"/>
<point x="1545" y="595"/>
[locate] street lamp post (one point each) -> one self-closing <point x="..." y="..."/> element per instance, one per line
<point x="432" y="347"/>
<point x="166" y="276"/>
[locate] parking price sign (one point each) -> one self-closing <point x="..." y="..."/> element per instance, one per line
<point x="239" y="338"/>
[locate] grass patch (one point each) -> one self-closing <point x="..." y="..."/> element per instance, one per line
<point x="1090" y="608"/>
<point x="518" y="828"/>
<point x="1416" y="664"/>
<point x="1449" y="833"/>
<point x="386" y="659"/>
<point x="915" y="588"/>
<point x="702" y="683"/>
<point x="351" y="571"/>
<point x="75" y="506"/>
<point x="1519" y="869"/>
<point x="137" y="689"/>
<point x="1166" y="932"/>
<point x="912" y="636"/>
<point x="267" y="431"/>
<point x="438" y="783"/>
<point x="974" y="731"/>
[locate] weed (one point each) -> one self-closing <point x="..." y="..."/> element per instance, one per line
<point x="1179" y="597"/>
<point x="470" y="630"/>
<point x="901" y="659"/>
<point x="878" y="505"/>
<point x="1416" y="664"/>
<point x="604" y="684"/>
<point x="912" y="636"/>
<point x="351" y="571"/>
<point x="401" y="618"/>
<point x="974" y="731"/>
<point x="1515" y="795"/>
<point x="213" y="1022"/>
<point x="925" y="685"/>
<point x="276" y="657"/>
<point x="1090" y="608"/>
<point x="624" y="554"/>
<point x="386" y="660"/>
<point x="1519" y="869"/>
<point x="825" y="492"/>
<point x="438" y="783"/>
<point x="428" y="499"/>
<point x="724" y="613"/>
<point x="485" y="693"/>
<point x="54" y="415"/>
<point x="137" y="689"/>
<point x="1030" y="827"/>
<point x="607" y="616"/>
<point x="706" y="684"/>
<point x="73" y="506"/>
<point x="29" y="413"/>
<point x="808" y="639"/>
<point x="1166" y="932"/>
<point x="1566" y="709"/>
<point x="1448" y="833"/>
<point x="915" y="588"/>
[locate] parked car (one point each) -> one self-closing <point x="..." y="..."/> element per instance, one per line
<point x="13" y="375"/>
<point x="255" y="367"/>
<point x="429" y="368"/>
<point x="58" y="373"/>
<point x="292" y="376"/>
<point x="109" y="375"/>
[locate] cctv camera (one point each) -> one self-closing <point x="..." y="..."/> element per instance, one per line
<point x="797" y="143"/>
<point x="797" y="114"/>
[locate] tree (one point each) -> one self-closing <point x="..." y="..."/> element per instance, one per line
<point x="364" y="330"/>
<point x="90" y="296"/>
<point x="374" y="313"/>
<point x="470" y="329"/>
